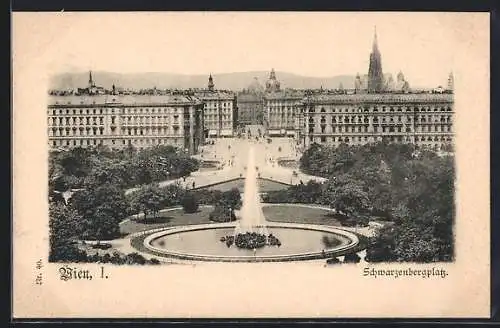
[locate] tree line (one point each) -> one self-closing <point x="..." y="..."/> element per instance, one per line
<point x="89" y="167"/>
<point x="409" y="187"/>
<point x="98" y="178"/>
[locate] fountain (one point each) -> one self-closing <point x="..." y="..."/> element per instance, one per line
<point x="251" y="231"/>
<point x="213" y="241"/>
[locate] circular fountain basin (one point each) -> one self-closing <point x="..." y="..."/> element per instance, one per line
<point x="202" y="243"/>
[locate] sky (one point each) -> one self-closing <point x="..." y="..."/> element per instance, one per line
<point x="421" y="45"/>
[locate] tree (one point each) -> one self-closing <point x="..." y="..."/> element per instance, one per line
<point x="101" y="225"/>
<point x="231" y="199"/>
<point x="105" y="205"/>
<point x="172" y="195"/>
<point x="424" y="214"/>
<point x="222" y="214"/>
<point x="413" y="188"/>
<point x="381" y="247"/>
<point x="64" y="230"/>
<point x="148" y="199"/>
<point x="76" y="161"/>
<point x="107" y="171"/>
<point x="225" y="204"/>
<point x="346" y="195"/>
<point x="352" y="258"/>
<point x="190" y="203"/>
<point x="308" y="193"/>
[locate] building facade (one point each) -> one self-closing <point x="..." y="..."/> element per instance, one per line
<point x="281" y="113"/>
<point x="422" y="119"/>
<point x="281" y="109"/>
<point x="250" y="103"/>
<point x="220" y="111"/>
<point x="378" y="108"/>
<point x="119" y="121"/>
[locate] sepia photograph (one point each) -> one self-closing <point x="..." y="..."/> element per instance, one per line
<point x="240" y="142"/>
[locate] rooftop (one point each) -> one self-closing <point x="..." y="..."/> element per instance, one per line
<point x="252" y="97"/>
<point x="286" y="94"/>
<point x="382" y="97"/>
<point x="122" y="100"/>
<point x="217" y="94"/>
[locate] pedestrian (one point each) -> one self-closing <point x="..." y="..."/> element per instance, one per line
<point x="193" y="184"/>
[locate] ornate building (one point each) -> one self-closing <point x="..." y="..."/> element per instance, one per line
<point x="379" y="109"/>
<point x="272" y="84"/>
<point x="119" y="121"/>
<point x="281" y="109"/>
<point x="422" y="119"/>
<point x="220" y="111"/>
<point x="281" y="113"/>
<point x="250" y="104"/>
<point x="376" y="81"/>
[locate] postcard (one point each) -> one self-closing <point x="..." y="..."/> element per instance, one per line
<point x="251" y="165"/>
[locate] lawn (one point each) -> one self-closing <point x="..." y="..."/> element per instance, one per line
<point x="172" y="218"/>
<point x="298" y="214"/>
<point x="274" y="213"/>
<point x="264" y="185"/>
<point x="289" y="163"/>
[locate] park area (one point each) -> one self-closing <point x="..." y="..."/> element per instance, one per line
<point x="273" y="213"/>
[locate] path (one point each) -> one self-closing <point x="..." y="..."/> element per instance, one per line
<point x="233" y="153"/>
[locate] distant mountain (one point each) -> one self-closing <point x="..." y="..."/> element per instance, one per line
<point x="230" y="81"/>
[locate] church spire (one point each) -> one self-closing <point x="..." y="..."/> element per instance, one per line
<point x="211" y="84"/>
<point x="91" y="81"/>
<point x="375" y="42"/>
<point x="375" y="74"/>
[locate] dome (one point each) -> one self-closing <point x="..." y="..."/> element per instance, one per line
<point x="255" y="86"/>
<point x="272" y="83"/>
